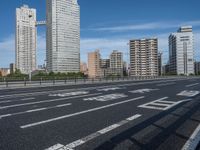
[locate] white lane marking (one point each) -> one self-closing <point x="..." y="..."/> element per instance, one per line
<point x="79" y="113"/>
<point x="89" y="88"/>
<point x="133" y="117"/>
<point x="47" y="101"/>
<point x="55" y="147"/>
<point x="5" y="101"/>
<point x="34" y="110"/>
<point x="107" y="97"/>
<point x="109" y="89"/>
<point x="27" y="99"/>
<point x="63" y="105"/>
<point x="166" y="84"/>
<point x="190" y="85"/>
<point x="70" y="94"/>
<point x="7" y="115"/>
<point x="188" y="93"/>
<point x="107" y="129"/>
<point x="9" y="101"/>
<point x="142" y="91"/>
<point x="193" y="141"/>
<point x="92" y="136"/>
<point x="160" y="104"/>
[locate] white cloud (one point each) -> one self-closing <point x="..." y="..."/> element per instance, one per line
<point x="147" y="26"/>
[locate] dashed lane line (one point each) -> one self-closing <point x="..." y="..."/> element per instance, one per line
<point x="47" y="101"/>
<point x="166" y="84"/>
<point x="24" y="99"/>
<point x="78" y="113"/>
<point x="190" y="85"/>
<point x="92" y="136"/>
<point x="34" y="110"/>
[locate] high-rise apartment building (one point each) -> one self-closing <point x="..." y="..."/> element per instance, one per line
<point x="116" y="63"/>
<point x="144" y="57"/>
<point x="160" y="64"/>
<point x="181" y="51"/>
<point x="25" y="40"/>
<point x="94" y="69"/>
<point x="63" y="35"/>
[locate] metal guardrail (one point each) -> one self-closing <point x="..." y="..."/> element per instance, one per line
<point x="5" y="83"/>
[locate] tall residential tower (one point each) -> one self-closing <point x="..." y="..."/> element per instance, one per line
<point x="144" y="57"/>
<point x="25" y="40"/>
<point x="181" y="51"/>
<point x="63" y="35"/>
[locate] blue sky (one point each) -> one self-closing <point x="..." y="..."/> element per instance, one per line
<point x="108" y="25"/>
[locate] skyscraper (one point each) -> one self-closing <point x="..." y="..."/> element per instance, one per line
<point x="181" y="51"/>
<point x="144" y="57"/>
<point x="25" y="40"/>
<point x="63" y="35"/>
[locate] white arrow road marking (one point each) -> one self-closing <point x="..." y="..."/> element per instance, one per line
<point x="104" y="98"/>
<point x="47" y="101"/>
<point x="143" y="91"/>
<point x="188" y="93"/>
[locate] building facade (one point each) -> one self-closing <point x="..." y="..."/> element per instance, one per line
<point x="84" y="68"/>
<point x="160" y="64"/>
<point x="144" y="57"/>
<point x="181" y="51"/>
<point x="63" y="35"/>
<point x="116" y="63"/>
<point x="12" y="68"/>
<point x="94" y="69"/>
<point x="25" y="40"/>
<point x="197" y="68"/>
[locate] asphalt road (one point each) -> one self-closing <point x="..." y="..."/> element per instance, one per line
<point x="134" y="115"/>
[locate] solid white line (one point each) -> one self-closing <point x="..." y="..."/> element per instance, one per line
<point x="79" y="113"/>
<point x="193" y="141"/>
<point x="47" y="101"/>
<point x="190" y="85"/>
<point x="34" y="110"/>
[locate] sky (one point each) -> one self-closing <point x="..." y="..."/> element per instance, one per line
<point x="108" y="25"/>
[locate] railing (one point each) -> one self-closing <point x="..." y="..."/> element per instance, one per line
<point x="51" y="81"/>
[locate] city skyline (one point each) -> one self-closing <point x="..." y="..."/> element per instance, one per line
<point x="106" y="33"/>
